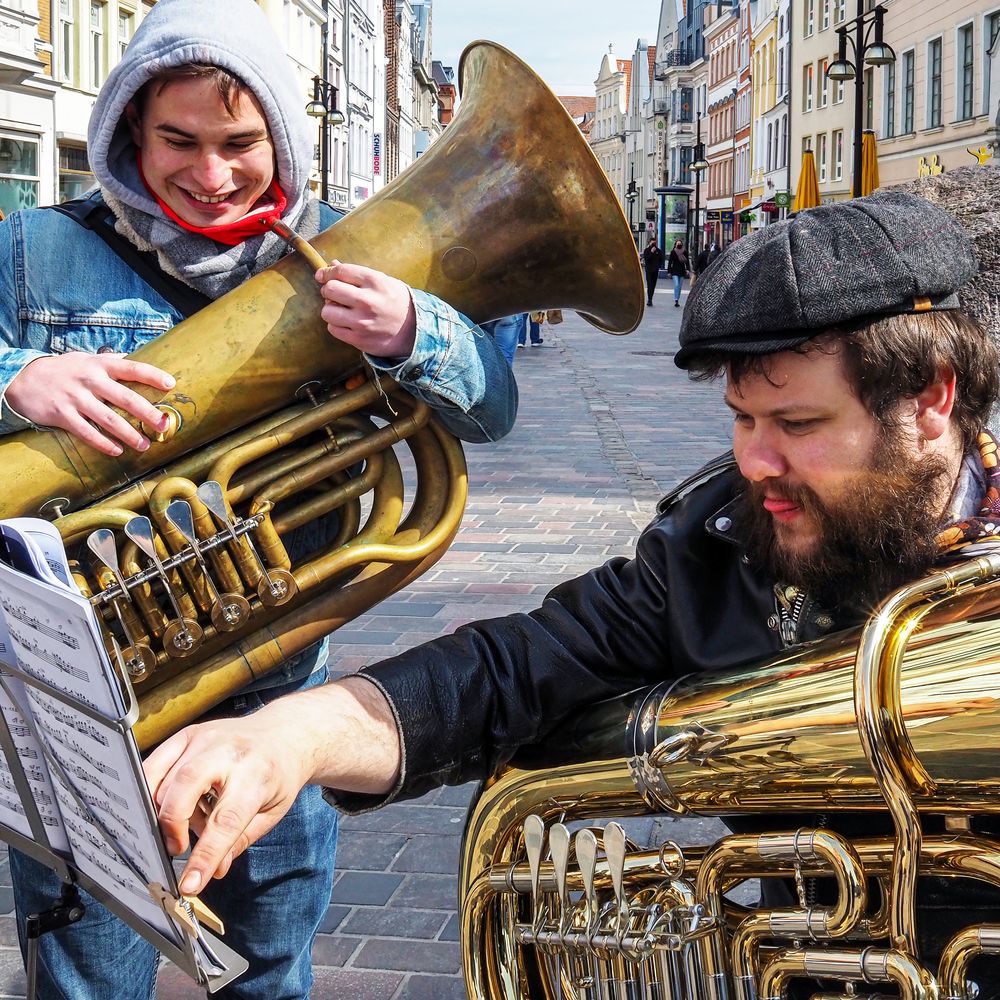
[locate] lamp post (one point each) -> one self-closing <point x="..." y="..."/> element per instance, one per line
<point x="324" y="107"/>
<point x="869" y="49"/>
<point x="698" y="164"/>
<point x="630" y="195"/>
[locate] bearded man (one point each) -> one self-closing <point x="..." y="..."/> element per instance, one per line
<point x="860" y="394"/>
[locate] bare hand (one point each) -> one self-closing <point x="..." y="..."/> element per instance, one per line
<point x="76" y="392"/>
<point x="368" y="309"/>
<point x="250" y="787"/>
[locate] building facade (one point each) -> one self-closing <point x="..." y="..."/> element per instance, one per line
<point x="722" y="44"/>
<point x="607" y="136"/>
<point x="936" y="107"/>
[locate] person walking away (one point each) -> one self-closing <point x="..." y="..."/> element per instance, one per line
<point x="508" y="332"/>
<point x="678" y="268"/>
<point x="652" y="259"/>
<point x="535" y="321"/>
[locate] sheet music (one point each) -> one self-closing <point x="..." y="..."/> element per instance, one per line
<point x="85" y="775"/>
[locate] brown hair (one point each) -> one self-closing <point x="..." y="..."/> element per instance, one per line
<point x="892" y="358"/>
<point x="229" y="86"/>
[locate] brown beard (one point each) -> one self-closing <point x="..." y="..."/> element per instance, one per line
<point x="876" y="534"/>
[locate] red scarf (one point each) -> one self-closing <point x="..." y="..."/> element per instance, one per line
<point x="269" y="208"/>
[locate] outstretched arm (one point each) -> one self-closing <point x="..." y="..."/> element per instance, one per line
<point x="342" y="735"/>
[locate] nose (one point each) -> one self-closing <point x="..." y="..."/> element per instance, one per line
<point x="757" y="456"/>
<point x="211" y="172"/>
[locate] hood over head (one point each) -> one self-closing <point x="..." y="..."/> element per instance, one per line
<point x="232" y="34"/>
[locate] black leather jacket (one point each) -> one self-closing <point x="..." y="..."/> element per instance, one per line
<point x="688" y="601"/>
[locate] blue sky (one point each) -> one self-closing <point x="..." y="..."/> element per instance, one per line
<point x="562" y="40"/>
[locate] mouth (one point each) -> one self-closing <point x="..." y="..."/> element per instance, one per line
<point x="208" y="199"/>
<point x="781" y="509"/>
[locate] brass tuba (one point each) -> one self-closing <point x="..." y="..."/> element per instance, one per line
<point x="898" y="720"/>
<point x="274" y="425"/>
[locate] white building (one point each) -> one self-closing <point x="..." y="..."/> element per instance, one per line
<point x="28" y="153"/>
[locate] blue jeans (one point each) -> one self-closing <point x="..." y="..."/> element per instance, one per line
<point x="271" y="902"/>
<point x="536" y="332"/>
<point x="678" y="285"/>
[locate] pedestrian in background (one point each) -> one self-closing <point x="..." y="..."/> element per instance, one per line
<point x="679" y="268"/>
<point x="707" y="256"/>
<point x="535" y="321"/>
<point x="652" y="259"/>
<point x="508" y="332"/>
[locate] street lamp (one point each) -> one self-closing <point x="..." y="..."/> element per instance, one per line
<point x="698" y="164"/>
<point x="630" y="195"/>
<point x="324" y="107"/>
<point x="870" y="49"/>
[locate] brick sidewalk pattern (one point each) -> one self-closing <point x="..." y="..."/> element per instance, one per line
<point x="606" y="426"/>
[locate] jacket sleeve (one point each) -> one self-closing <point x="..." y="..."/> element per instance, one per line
<point x="466" y="702"/>
<point x="458" y="369"/>
<point x="14" y="357"/>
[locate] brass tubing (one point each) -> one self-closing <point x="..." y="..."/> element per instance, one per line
<point x="958" y="955"/>
<point x="871" y="965"/>
<point x="342" y="497"/>
<point x="881" y="726"/>
<point x="142" y="596"/>
<point x="179" y="700"/>
<point x="195" y="598"/>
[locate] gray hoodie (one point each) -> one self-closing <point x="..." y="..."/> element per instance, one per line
<point x="233" y="34"/>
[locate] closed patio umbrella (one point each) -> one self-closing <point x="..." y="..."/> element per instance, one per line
<point x="869" y="163"/>
<point x="807" y="193"/>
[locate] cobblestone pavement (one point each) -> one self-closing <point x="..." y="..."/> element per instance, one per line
<point x="606" y="425"/>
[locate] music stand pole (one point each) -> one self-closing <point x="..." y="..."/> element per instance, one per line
<point x="67" y="911"/>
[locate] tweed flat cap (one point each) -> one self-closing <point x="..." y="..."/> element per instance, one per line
<point x="781" y="285"/>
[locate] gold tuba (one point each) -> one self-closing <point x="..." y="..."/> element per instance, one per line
<point x="274" y="425"/>
<point x="898" y="720"/>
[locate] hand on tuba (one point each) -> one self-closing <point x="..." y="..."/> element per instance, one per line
<point x="368" y="309"/>
<point x="75" y="392"/>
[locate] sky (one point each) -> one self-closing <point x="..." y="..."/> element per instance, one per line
<point x="564" y="41"/>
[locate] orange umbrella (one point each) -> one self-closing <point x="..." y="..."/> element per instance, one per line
<point x="807" y="193"/>
<point x="869" y="162"/>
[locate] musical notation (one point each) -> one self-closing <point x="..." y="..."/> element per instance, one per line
<point x="22" y="614"/>
<point x="35" y="648"/>
<point x="71" y="720"/>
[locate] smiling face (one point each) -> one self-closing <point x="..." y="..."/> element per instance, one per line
<point x="209" y="166"/>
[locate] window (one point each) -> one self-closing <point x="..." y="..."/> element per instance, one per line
<point x="838" y="92"/>
<point x="18" y="173"/>
<point x="75" y="177"/>
<point x="96" y="44"/>
<point x="807" y="88"/>
<point x="770" y="140"/>
<point x="966" y="70"/>
<point x="991" y="30"/>
<point x="839" y="11"/>
<point x="870" y="99"/>
<point x="908" y="71"/>
<point x="889" y="123"/>
<point x="933" y="117"/>
<point x="66" y="39"/>
<point x="823" y="85"/>
<point x="826" y="13"/>
<point x="124" y="30"/>
<point x="838" y="154"/>
<point x="809" y="17"/>
<point x="821" y="156"/>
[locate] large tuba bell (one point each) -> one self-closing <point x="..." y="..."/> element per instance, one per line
<point x="274" y="424"/>
<point x="896" y="720"/>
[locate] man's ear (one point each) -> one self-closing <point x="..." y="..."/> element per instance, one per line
<point x="134" y="123"/>
<point x="935" y="404"/>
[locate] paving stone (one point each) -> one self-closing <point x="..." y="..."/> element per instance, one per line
<point x="450" y="931"/>
<point x="409" y="956"/>
<point x="391" y="921"/>
<point x="433" y="988"/>
<point x="353" y="984"/>
<point x="375" y="852"/>
<point x="334" y="949"/>
<point x="434" y="892"/>
<point x="365" y="888"/>
<point x="334" y="917"/>
<point x="435" y="853"/>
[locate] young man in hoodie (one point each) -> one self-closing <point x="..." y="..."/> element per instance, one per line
<point x="198" y="134"/>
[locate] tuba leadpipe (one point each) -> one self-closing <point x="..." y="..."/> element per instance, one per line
<point x="283" y="425"/>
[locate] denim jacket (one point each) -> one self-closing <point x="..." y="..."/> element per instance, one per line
<point x="66" y="290"/>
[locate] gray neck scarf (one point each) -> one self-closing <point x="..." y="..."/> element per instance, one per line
<point x="211" y="268"/>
